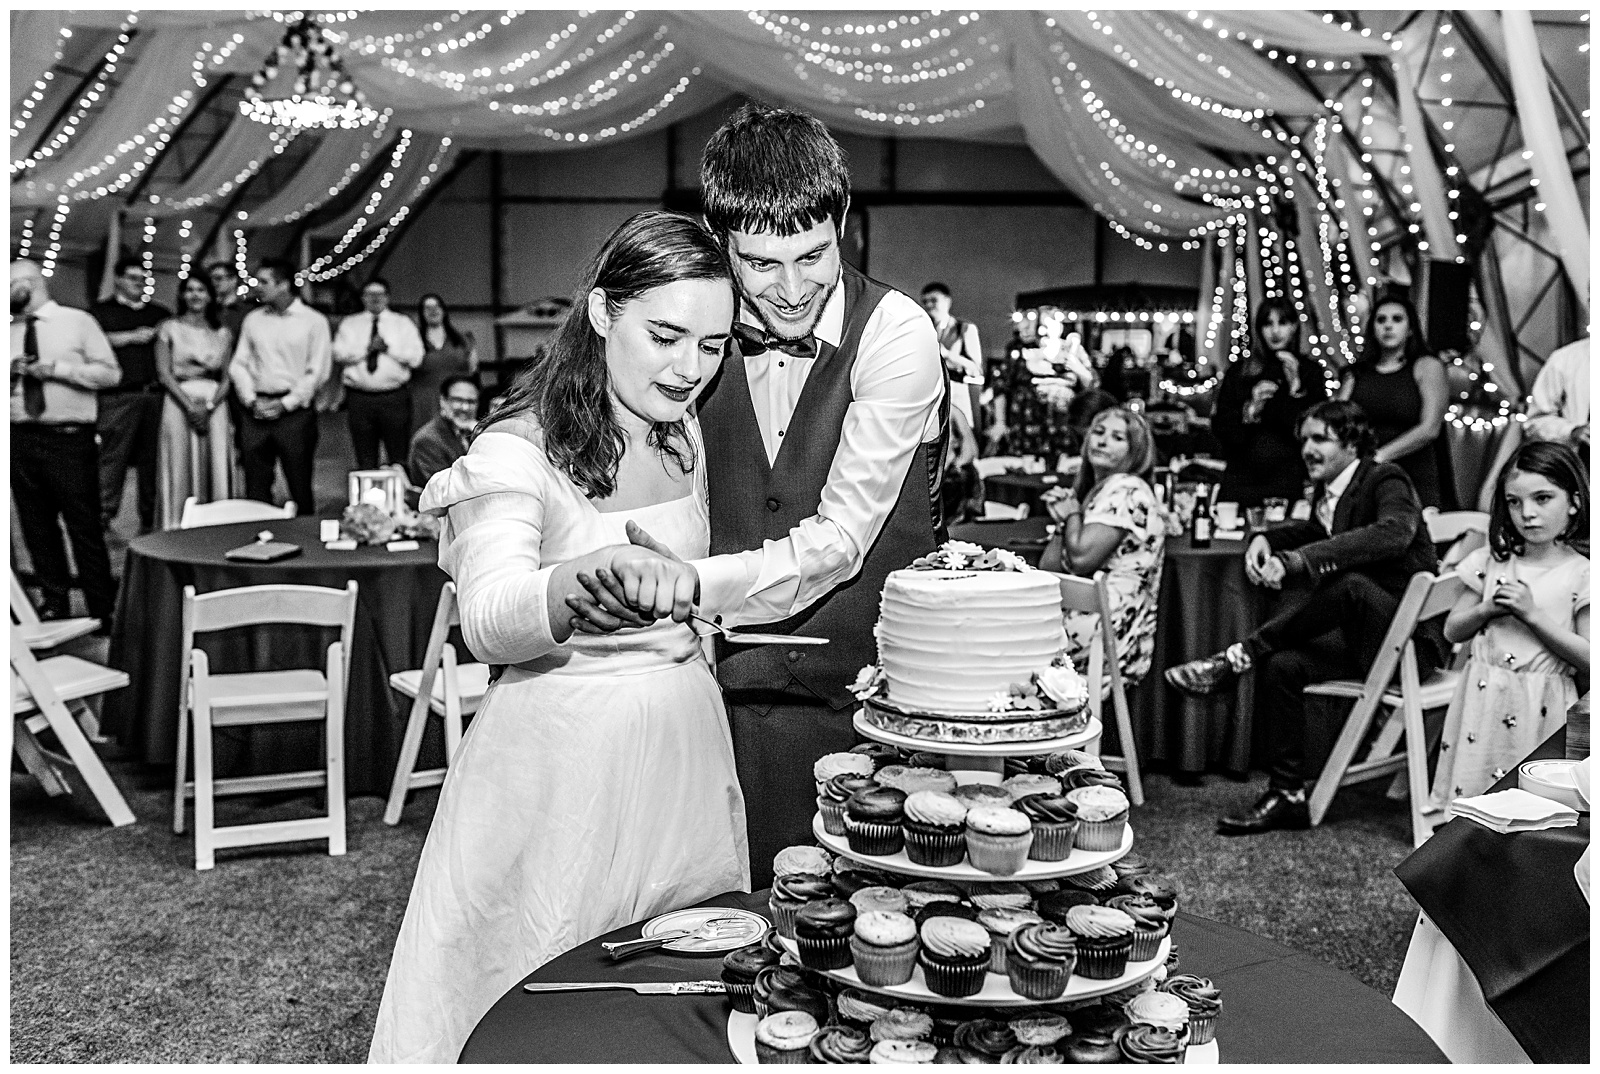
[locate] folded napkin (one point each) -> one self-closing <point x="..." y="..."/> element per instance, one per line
<point x="1514" y="810"/>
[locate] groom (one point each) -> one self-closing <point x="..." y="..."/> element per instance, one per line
<point x="824" y="435"/>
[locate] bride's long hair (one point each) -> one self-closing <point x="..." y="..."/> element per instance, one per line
<point x="568" y="391"/>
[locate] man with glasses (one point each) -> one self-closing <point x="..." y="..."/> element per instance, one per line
<point x="130" y="413"/>
<point x="445" y="439"/>
<point x="377" y="351"/>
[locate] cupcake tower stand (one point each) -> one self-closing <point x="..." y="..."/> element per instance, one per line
<point x="971" y="763"/>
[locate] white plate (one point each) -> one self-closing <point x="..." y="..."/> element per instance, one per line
<point x="1090" y="733"/>
<point x="1079" y="861"/>
<point x="694" y="918"/>
<point x="742" y="1043"/>
<point x="996" y="991"/>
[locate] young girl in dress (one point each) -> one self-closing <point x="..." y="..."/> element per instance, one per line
<point x="1527" y="613"/>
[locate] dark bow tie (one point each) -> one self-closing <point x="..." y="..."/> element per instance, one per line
<point x="753" y="341"/>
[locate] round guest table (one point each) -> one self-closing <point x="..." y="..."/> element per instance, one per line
<point x="1278" y="1006"/>
<point x="1206" y="604"/>
<point x="394" y="612"/>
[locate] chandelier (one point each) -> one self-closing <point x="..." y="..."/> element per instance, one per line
<point x="323" y="95"/>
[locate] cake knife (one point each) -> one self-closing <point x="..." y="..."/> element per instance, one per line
<point x="739" y="637"/>
<point x="643" y="988"/>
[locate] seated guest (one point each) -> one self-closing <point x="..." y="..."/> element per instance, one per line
<point x="1258" y="409"/>
<point x="1109" y="521"/>
<point x="1558" y="407"/>
<point x="1348" y="564"/>
<point x="445" y="439"/>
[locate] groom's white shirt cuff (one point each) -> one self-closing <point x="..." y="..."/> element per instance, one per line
<point x="895" y="384"/>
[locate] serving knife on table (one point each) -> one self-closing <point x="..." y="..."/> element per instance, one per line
<point x="643" y="988"/>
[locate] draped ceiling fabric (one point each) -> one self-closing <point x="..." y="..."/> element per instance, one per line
<point x="1171" y="124"/>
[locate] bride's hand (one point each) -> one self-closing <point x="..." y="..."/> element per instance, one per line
<point x="600" y="610"/>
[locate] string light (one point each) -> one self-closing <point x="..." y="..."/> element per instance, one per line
<point x="633" y="124"/>
<point x="374" y="201"/>
<point x="388" y="228"/>
<point x="41" y="85"/>
<point x="25" y="242"/>
<point x="107" y="67"/>
<point x="281" y="138"/>
<point x="147" y="257"/>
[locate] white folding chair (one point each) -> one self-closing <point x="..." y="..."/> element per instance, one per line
<point x="223" y="512"/>
<point x="1463" y="531"/>
<point x="995" y="511"/>
<point x="1427" y="596"/>
<point x="441" y="687"/>
<point x="41" y="693"/>
<point x="40" y="634"/>
<point x="1094" y="597"/>
<point x="991" y="465"/>
<point x="262" y="697"/>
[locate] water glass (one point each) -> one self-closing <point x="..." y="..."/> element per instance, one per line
<point x="1256" y="517"/>
<point x="1277" y="508"/>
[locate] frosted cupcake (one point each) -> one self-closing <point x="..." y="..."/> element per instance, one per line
<point x="998" y="840"/>
<point x="860" y="1009"/>
<point x="1160" y="1009"/>
<point x="1001" y="896"/>
<point x="834" y="794"/>
<point x="873" y="819"/>
<point x="990" y="794"/>
<point x="935" y="828"/>
<point x="954" y="956"/>
<point x="920" y="893"/>
<point x="840" y="1044"/>
<point x="1150" y="1044"/>
<point x="832" y="764"/>
<point x="1074" y="778"/>
<point x="1039" y="959"/>
<point x="740" y="968"/>
<point x="1057" y="763"/>
<point x="1102" y="817"/>
<point x="884" y="946"/>
<point x="1055" y="825"/>
<point x="1204" y="1002"/>
<point x="1105" y="936"/>
<point x="1150" y="925"/>
<point x="989" y="1037"/>
<point x="822" y="930"/>
<point x="791" y="860"/>
<point x="1041" y="1029"/>
<point x="791" y="892"/>
<point x="902" y="1023"/>
<point x="911" y="780"/>
<point x="1030" y="783"/>
<point x="883" y="899"/>
<point x="785" y="1037"/>
<point x="1102" y="881"/>
<point x="1000" y="925"/>
<point x="902" y="1051"/>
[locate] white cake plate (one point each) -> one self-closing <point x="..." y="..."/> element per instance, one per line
<point x="1079" y="861"/>
<point x="1090" y="733"/>
<point x="742" y="1043"/>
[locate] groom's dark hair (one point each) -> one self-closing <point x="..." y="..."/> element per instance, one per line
<point x="773" y="170"/>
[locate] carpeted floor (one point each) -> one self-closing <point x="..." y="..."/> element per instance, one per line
<point x="121" y="952"/>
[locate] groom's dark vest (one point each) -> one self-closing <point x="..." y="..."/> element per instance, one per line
<point x="753" y="502"/>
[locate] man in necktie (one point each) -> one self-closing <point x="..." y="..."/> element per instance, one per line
<point x="59" y="360"/>
<point x="378" y="351"/>
<point x="1345" y="569"/>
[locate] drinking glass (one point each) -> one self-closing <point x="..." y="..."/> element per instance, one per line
<point x="1277" y="508"/>
<point x="1256" y="517"/>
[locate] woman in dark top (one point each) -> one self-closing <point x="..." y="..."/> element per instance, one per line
<point x="447" y="352"/>
<point x="1402" y="388"/>
<point x="1258" y="409"/>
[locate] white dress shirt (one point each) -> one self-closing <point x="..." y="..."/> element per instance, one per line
<point x="84" y="364"/>
<point x="1330" y="497"/>
<point x="281" y="353"/>
<point x="1561" y="394"/>
<point x="395" y="364"/>
<point x="895" y="385"/>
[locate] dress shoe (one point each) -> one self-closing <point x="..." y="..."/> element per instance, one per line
<point x="1204" y="676"/>
<point x="1272" y="811"/>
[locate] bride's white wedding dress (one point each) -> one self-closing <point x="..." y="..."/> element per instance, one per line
<point x="596" y="785"/>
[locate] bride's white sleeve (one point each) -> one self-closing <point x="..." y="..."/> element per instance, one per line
<point x="492" y="503"/>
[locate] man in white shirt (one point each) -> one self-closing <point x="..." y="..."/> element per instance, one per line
<point x="60" y="359"/>
<point x="282" y="358"/>
<point x="376" y="352"/>
<point x="1559" y="409"/>
<point x="960" y="349"/>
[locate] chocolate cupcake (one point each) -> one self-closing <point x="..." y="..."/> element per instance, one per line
<point x="1204" y="1001"/>
<point x="1090" y="777"/>
<point x="1055" y="825"/>
<point x="789" y="893"/>
<point x="965" y="911"/>
<point x="954" y="956"/>
<point x="884" y="948"/>
<point x="1053" y="905"/>
<point x="952" y="1054"/>
<point x="935" y="828"/>
<point x="834" y="794"/>
<point x="739" y="971"/>
<point x="881" y="753"/>
<point x="1102" y="817"/>
<point x="1097" y="1017"/>
<point x="925" y="759"/>
<point x="1064" y="760"/>
<point x="849" y="881"/>
<point x="885" y="899"/>
<point x="1092" y="1047"/>
<point x="1034" y="1054"/>
<point x="986" y="1036"/>
<point x="1128" y="868"/>
<point x="990" y="794"/>
<point x="1039" y="959"/>
<point x="902" y="1051"/>
<point x="872" y="820"/>
<point x="920" y="893"/>
<point x="998" y="840"/>
<point x="859" y="1008"/>
<point x="1028" y="783"/>
<point x="902" y="1023"/>
<point x="1150" y="925"/>
<point x="822" y="930"/>
<point x="1001" y="923"/>
<point x="1164" y="891"/>
<point x="1041" y="887"/>
<point x="840" y="1044"/>
<point x="1105" y="936"/>
<point x="784" y="988"/>
<point x="785" y="1037"/>
<point x="1002" y="895"/>
<point x="1150" y="1044"/>
<point x="802" y="859"/>
<point x="1041" y="1029"/>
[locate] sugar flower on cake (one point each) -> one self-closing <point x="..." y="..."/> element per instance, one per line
<point x="966" y="556"/>
<point x="1062" y="684"/>
<point x="998" y="559"/>
<point x="869" y="680"/>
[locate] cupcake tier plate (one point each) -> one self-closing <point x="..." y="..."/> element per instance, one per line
<point x="996" y="991"/>
<point x="1079" y="861"/>
<point x="742" y="1043"/>
<point x="1090" y="733"/>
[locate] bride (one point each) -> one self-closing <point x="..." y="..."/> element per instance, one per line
<point x="596" y="784"/>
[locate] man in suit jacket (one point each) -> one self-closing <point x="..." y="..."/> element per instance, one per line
<point x="438" y="444"/>
<point x="1348" y="565"/>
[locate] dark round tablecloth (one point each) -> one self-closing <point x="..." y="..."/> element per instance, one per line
<point x="394" y="611"/>
<point x="1279" y="1006"/>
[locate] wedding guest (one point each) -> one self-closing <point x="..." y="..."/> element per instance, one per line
<point x="1032" y="405"/>
<point x="1558" y="408"/>
<point x="377" y="351"/>
<point x="59" y="359"/>
<point x="596" y="785"/>
<point x="1526" y="614"/>
<point x="1258" y="408"/>
<point x="282" y="358"/>
<point x="1347" y="567"/>
<point x="447" y="352"/>
<point x="193" y="351"/>
<point x="129" y="418"/>
<point x="1110" y="521"/>
<point x="960" y="349"/>
<point x="1402" y="390"/>
<point x="445" y="439"/>
<point x="233" y="300"/>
